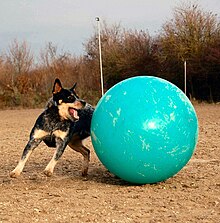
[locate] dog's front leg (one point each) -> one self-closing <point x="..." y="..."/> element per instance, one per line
<point x="61" y="145"/>
<point x="31" y="145"/>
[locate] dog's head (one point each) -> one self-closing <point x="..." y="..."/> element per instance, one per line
<point x="67" y="101"/>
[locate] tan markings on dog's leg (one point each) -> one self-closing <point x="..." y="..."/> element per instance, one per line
<point x="86" y="162"/>
<point x="86" y="155"/>
<point x="60" y="134"/>
<point x="86" y="140"/>
<point x="38" y="134"/>
<point x="50" y="167"/>
<point x="78" y="145"/>
<point x="18" y="169"/>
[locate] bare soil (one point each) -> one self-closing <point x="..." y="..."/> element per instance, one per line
<point x="193" y="195"/>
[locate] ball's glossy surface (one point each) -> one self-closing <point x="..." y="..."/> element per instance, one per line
<point x="144" y="130"/>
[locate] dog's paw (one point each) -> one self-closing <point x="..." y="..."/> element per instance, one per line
<point x="48" y="173"/>
<point x="85" y="173"/>
<point x="14" y="174"/>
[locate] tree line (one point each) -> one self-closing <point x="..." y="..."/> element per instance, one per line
<point x="192" y="35"/>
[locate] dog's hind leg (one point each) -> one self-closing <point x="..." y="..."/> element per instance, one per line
<point x="78" y="145"/>
<point x="31" y="145"/>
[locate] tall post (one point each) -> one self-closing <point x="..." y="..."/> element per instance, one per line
<point x="185" y="77"/>
<point x="100" y="54"/>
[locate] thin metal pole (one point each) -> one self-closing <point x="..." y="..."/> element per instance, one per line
<point x="100" y="54"/>
<point x="185" y="77"/>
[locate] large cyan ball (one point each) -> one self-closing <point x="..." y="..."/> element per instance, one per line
<point x="144" y="130"/>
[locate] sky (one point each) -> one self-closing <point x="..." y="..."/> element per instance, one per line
<point x="70" y="23"/>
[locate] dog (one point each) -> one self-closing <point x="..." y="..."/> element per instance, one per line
<point x="65" y="121"/>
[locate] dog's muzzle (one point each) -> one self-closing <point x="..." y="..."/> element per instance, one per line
<point x="74" y="114"/>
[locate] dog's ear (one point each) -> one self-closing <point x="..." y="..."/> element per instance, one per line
<point x="57" y="87"/>
<point x="72" y="88"/>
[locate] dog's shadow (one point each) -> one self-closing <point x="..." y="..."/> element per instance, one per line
<point x="97" y="173"/>
<point x="101" y="175"/>
<point x="67" y="170"/>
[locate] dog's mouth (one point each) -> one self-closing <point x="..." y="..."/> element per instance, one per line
<point x="73" y="113"/>
<point x="77" y="106"/>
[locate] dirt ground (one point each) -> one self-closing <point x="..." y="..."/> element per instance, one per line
<point x="193" y="195"/>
